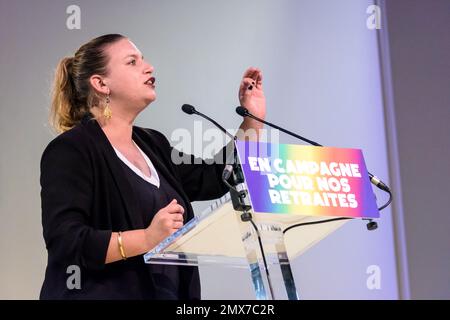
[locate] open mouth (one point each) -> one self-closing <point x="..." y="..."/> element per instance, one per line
<point x="151" y="82"/>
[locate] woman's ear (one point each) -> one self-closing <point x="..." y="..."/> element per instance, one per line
<point x="98" y="84"/>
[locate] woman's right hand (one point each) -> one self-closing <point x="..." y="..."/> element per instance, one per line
<point x="165" y="222"/>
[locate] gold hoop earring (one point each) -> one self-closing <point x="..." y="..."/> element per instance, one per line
<point x="107" y="112"/>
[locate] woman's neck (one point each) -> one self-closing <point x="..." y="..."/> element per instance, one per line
<point x="118" y="129"/>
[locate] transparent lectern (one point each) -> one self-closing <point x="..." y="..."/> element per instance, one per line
<point x="223" y="234"/>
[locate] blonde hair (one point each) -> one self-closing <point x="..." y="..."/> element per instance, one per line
<point x="72" y="94"/>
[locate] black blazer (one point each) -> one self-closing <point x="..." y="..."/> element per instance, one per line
<point x="86" y="196"/>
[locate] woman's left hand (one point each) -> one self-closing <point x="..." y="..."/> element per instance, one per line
<point x="251" y="96"/>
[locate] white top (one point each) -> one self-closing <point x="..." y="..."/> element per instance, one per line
<point x="154" y="179"/>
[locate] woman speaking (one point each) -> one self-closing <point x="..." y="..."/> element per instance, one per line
<point x="109" y="190"/>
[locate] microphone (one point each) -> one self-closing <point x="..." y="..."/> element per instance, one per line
<point x="242" y="111"/>
<point x="187" y="108"/>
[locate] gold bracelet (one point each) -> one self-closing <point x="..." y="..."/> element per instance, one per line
<point x="122" y="251"/>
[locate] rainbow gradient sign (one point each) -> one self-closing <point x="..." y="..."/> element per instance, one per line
<point x="304" y="180"/>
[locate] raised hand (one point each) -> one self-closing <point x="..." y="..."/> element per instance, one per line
<point x="251" y="94"/>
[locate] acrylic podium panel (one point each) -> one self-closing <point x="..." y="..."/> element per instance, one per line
<point x="218" y="236"/>
<point x="214" y="236"/>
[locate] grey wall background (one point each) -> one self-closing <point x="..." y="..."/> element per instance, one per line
<point x="419" y="47"/>
<point x="322" y="79"/>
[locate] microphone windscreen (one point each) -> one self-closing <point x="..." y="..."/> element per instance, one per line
<point x="187" y="108"/>
<point x="242" y="111"/>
